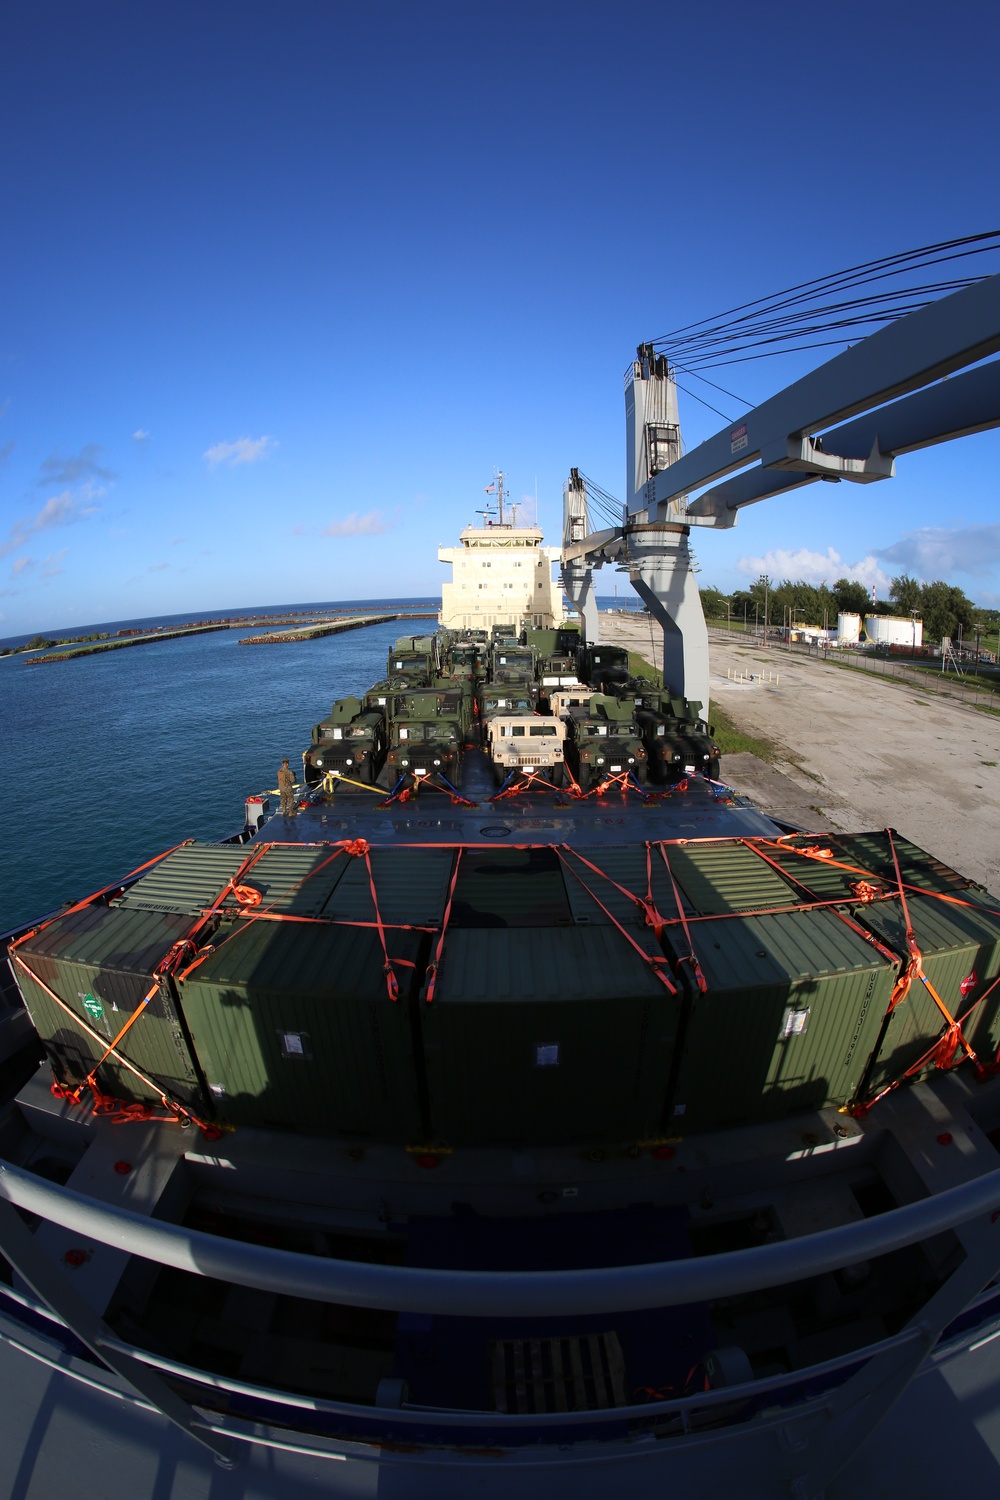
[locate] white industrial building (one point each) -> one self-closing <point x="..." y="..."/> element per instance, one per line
<point x="894" y="630"/>
<point x="880" y="630"/>
<point x="500" y="575"/>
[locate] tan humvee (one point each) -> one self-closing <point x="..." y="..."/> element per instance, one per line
<point x="526" y="743"/>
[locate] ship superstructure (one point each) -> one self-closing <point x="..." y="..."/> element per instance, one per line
<point x="501" y="573"/>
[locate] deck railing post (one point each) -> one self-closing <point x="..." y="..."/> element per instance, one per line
<point x="52" y="1286"/>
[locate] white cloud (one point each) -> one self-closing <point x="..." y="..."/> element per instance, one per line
<point x="814" y="567"/>
<point x="140" y="435"/>
<point x="52" y="566"/>
<point x="244" y="451"/>
<point x="157" y="567"/>
<point x="58" y="510"/>
<point x="370" y="524"/>
<point x="937" y="552"/>
<point x="22" y="565"/>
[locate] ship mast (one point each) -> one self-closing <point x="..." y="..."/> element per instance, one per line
<point x="497" y="490"/>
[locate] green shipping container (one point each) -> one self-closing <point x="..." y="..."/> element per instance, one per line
<point x="791" y="1015"/>
<point x="100" y="961"/>
<point x="728" y="877"/>
<point x="544" y="1036"/>
<point x="294" y="1029"/>
<point x="862" y="854"/>
<point x="294" y="880"/>
<point x="955" y="942"/>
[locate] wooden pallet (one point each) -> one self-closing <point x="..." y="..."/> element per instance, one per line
<point x="585" y="1372"/>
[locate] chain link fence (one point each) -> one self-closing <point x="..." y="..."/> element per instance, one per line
<point x="929" y="679"/>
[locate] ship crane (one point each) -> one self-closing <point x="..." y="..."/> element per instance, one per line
<point x="892" y="393"/>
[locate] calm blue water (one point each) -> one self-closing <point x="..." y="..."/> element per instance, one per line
<point x="108" y="760"/>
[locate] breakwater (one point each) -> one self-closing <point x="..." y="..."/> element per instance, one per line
<point x="328" y="627"/>
<point x="119" y="645"/>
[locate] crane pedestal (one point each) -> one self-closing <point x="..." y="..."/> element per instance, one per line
<point x="661" y="570"/>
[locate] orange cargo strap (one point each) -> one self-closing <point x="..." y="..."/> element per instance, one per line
<point x="175" y="1109"/>
<point x="954" y="1032"/>
<point x="938" y="1051"/>
<point x="248" y="895"/>
<point x="361" y="849"/>
<point x="657" y="962"/>
<point x="534" y="781"/>
<point x="645" y="903"/>
<point x="691" y="956"/>
<point x="432" y="967"/>
<point x="813" y="851"/>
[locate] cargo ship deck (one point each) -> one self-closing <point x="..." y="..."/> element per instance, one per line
<point x="655" y="1303"/>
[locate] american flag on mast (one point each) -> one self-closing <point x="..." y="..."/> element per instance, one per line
<point x="490" y="488"/>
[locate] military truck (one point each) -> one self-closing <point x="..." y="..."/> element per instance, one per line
<point x="524" y="743"/>
<point x="571" y="695"/>
<point x="604" y="741"/>
<point x="378" y="695"/>
<point x="557" y="669"/>
<point x="418" y="667"/>
<point x="424" y="736"/>
<point x="502" y="698"/>
<point x="464" y="662"/>
<point x="449" y="697"/>
<point x="512" y="664"/>
<point x="678" y="741"/>
<point x="603" y="666"/>
<point x="350" y="742"/>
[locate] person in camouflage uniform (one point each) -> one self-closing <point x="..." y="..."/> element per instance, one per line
<point x="286" y="786"/>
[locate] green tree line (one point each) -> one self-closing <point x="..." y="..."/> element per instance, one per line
<point x="942" y="607"/>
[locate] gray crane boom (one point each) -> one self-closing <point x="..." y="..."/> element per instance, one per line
<point x="846" y="420"/>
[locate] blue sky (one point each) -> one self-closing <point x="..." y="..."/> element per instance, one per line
<point x="282" y="284"/>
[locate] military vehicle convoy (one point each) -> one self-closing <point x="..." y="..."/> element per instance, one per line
<point x="539" y="703"/>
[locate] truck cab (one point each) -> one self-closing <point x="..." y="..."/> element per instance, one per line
<point x="557" y="669"/>
<point x="417" y="667"/>
<point x="503" y="698"/>
<point x="571" y="695"/>
<point x="603" y="666"/>
<point x="349" y="742"/>
<point x="463" y="662"/>
<point x="425" y="735"/>
<point x="512" y="664"/>
<point x="445" y="699"/>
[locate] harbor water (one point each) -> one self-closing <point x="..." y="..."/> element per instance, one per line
<point x="109" y="759"/>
